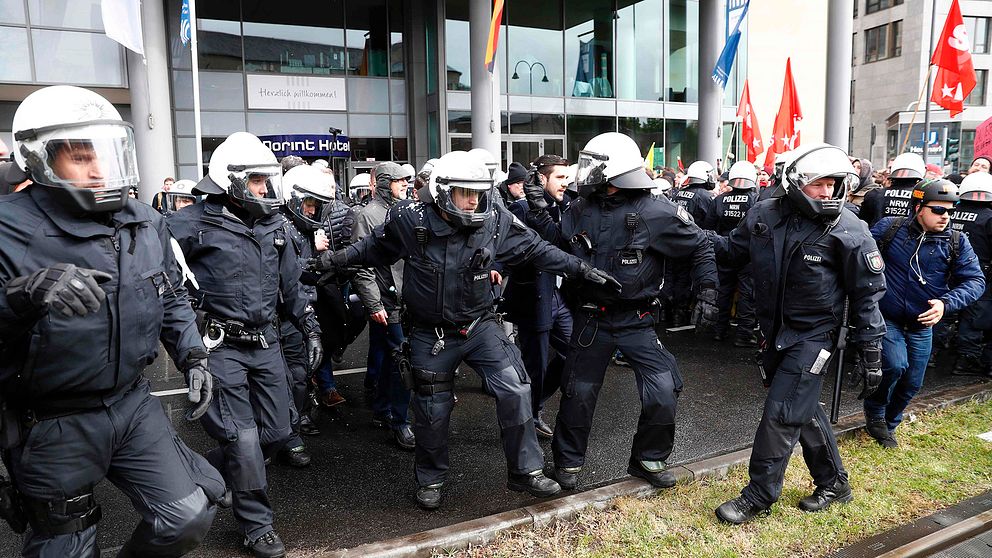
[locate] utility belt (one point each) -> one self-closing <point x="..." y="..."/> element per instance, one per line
<point x="233" y="332"/>
<point x="465" y="330"/>
<point x="642" y="306"/>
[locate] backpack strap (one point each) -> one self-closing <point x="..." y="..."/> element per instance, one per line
<point x="890" y="233"/>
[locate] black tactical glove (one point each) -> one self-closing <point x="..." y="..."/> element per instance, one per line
<point x="534" y="191"/>
<point x="332" y="261"/>
<point x="10" y="507"/>
<point x="705" y="314"/>
<point x="315" y="349"/>
<point x="201" y="383"/>
<point x="599" y="277"/>
<point x="870" y="367"/>
<point x="71" y="290"/>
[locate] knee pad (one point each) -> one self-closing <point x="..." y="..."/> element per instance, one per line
<point x="520" y="411"/>
<point x="178" y="527"/>
<point x="50" y="518"/>
<point x="244" y="464"/>
<point x="426" y="382"/>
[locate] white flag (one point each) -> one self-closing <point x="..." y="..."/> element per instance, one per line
<point x="122" y="23"/>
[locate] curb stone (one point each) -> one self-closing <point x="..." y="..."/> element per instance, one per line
<point x="481" y="531"/>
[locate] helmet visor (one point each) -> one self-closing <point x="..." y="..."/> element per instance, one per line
<point x="467" y="205"/>
<point x="97" y="157"/>
<point x="263" y="183"/>
<point x="591" y="169"/>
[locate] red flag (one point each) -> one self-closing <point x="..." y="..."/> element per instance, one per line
<point x="749" y="126"/>
<point x="955" y="72"/>
<point x="785" y="133"/>
<point x="679" y="160"/>
<point x="493" y="41"/>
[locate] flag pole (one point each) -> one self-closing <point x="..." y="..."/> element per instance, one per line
<point x="926" y="117"/>
<point x="909" y="132"/>
<point x="730" y="143"/>
<point x="197" y="130"/>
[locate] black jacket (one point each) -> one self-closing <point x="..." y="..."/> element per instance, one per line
<point x="243" y="272"/>
<point x="729" y="209"/>
<point x="446" y="279"/>
<point x="885" y="202"/>
<point x="803" y="270"/>
<point x="50" y="361"/>
<point x="697" y="200"/>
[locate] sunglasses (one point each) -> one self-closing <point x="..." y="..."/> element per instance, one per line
<point x="941" y="210"/>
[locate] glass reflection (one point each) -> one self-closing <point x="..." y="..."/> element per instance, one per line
<point x="640" y="45"/>
<point x="218" y="35"/>
<point x="680" y="142"/>
<point x="79" y="58"/>
<point x="289" y="41"/>
<point x="16" y="64"/>
<point x="581" y="129"/>
<point x="368" y="39"/>
<point x="534" y="42"/>
<point x="644" y="132"/>
<point x="589" y="49"/>
<point x="683" y="50"/>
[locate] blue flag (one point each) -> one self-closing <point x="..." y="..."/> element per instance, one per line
<point x="721" y="72"/>
<point x="184" y="25"/>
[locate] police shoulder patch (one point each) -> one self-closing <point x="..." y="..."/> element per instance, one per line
<point x="518" y="223"/>
<point x="683" y="215"/>
<point x="875" y="262"/>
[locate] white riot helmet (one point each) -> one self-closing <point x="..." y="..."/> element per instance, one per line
<point x="359" y="187"/>
<point x="487" y="159"/>
<point x="74" y="142"/>
<point x="977" y="187"/>
<point x="409" y="170"/>
<point x="320" y="164"/>
<point x="701" y="172"/>
<point x="810" y="163"/>
<point x="743" y="176"/>
<point x="240" y="165"/>
<point x="661" y="186"/>
<point x="464" y="175"/>
<point x="611" y="158"/>
<point x="307" y="190"/>
<point x="909" y="166"/>
<point x="179" y="196"/>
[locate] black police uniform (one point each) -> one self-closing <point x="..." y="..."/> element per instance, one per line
<point x="534" y="302"/>
<point x="74" y="396"/>
<point x="803" y="270"/>
<point x="631" y="236"/>
<point x="893" y="201"/>
<point x="698" y="201"/>
<point x="448" y="295"/>
<point x="294" y="347"/>
<point x="243" y="272"/>
<point x="729" y="209"/>
<point x="975" y="219"/>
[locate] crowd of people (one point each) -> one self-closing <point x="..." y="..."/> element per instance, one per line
<point x="256" y="279"/>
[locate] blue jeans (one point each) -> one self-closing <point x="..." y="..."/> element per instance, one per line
<point x="325" y="377"/>
<point x="392" y="399"/>
<point x="904" y="362"/>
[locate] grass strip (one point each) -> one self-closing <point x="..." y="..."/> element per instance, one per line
<point x="939" y="463"/>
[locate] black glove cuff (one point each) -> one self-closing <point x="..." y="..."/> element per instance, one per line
<point x="17" y="296"/>
<point x="193" y="355"/>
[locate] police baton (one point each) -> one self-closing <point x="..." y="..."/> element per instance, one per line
<point x="839" y="355"/>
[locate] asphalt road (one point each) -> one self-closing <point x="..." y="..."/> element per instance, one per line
<point x="360" y="486"/>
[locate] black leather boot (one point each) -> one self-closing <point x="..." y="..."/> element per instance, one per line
<point x="824" y="496"/>
<point x="739" y="510"/>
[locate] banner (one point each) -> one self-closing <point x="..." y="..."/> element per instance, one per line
<point x="122" y="23"/>
<point x="281" y="92"/>
<point x="184" y="23"/>
<point x="983" y="139"/>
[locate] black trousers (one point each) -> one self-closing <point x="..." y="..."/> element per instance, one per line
<point x="594" y="340"/>
<point x="793" y="414"/>
<point x="498" y="362"/>
<point x="544" y="354"/>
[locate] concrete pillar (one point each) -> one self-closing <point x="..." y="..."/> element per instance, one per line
<point x="151" y="106"/>
<point x="710" y="94"/>
<point x="485" y="116"/>
<point x="837" y="107"/>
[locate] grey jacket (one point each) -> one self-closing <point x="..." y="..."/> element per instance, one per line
<point x="378" y="287"/>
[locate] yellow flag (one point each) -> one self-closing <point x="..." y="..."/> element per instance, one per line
<point x="649" y="160"/>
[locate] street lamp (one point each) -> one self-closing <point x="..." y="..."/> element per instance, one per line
<point x="530" y="70"/>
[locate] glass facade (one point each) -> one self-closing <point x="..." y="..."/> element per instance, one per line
<point x="58" y="42"/>
<point x="360" y="41"/>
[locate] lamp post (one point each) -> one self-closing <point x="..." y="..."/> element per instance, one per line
<point x="530" y="70"/>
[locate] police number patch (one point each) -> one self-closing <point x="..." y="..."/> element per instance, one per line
<point x="683" y="215"/>
<point x="875" y="262"/>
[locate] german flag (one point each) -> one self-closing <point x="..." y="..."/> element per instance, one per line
<point x="493" y="41"/>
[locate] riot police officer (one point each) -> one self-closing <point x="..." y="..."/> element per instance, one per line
<point x="618" y="226"/>
<point x="307" y="191"/>
<point x="380" y="289"/>
<point x="807" y="255"/>
<point x="180" y="195"/>
<point x="235" y="243"/>
<point x="696" y="196"/>
<point x="449" y="241"/>
<point x="88" y="287"/>
<point x="729" y="210"/>
<point x="974" y="217"/>
<point x="893" y="200"/>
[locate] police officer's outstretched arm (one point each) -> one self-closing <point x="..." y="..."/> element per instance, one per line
<point x="384" y="246"/>
<point x="518" y="244"/>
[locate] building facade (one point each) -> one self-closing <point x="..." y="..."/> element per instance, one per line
<point x="392" y="75"/>
<point x="891" y="55"/>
